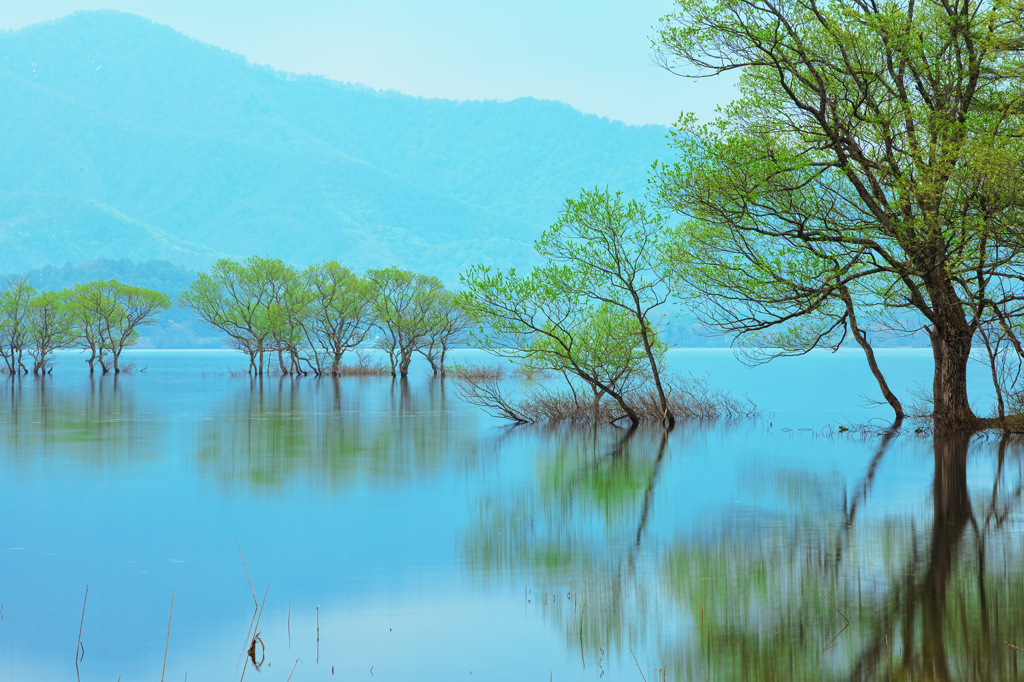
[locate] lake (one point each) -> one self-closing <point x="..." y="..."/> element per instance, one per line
<point x="392" y="532"/>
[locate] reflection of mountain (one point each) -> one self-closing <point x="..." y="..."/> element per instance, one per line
<point x="125" y="137"/>
<point x="929" y="596"/>
<point x="331" y="431"/>
<point x="98" y="426"/>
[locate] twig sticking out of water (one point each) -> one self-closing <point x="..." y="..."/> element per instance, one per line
<point x="246" y="572"/>
<point x="581" y="633"/>
<point x="297" y="661"/>
<point x="830" y="598"/>
<point x="318" y="634"/>
<point x="638" y="665"/>
<point x="78" y="647"/>
<point x="167" y="643"/>
<point x="252" y="645"/>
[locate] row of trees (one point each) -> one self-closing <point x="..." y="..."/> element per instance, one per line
<point x="101" y="318"/>
<point x="307" y="319"/>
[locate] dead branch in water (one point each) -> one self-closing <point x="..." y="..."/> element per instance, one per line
<point x="477" y="372"/>
<point x="168" y="642"/>
<point x="688" y="398"/>
<point x="78" y="647"/>
<point x="487" y="394"/>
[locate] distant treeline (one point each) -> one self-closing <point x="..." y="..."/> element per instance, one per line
<point x="101" y="318"/>
<point x="307" y="319"/>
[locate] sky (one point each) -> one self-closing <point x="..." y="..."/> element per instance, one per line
<point x="593" y="54"/>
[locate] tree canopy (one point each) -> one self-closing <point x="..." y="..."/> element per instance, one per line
<point x="873" y="154"/>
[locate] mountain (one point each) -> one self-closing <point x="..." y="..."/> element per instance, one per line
<point x="125" y="138"/>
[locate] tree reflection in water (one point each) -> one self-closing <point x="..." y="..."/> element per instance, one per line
<point x="273" y="430"/>
<point x="97" y="425"/>
<point x="929" y="594"/>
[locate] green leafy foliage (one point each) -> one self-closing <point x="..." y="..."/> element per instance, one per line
<point x="586" y="313"/>
<point x="267" y="308"/>
<point x="872" y="161"/>
<point x="101" y="317"/>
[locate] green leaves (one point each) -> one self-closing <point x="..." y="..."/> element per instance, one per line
<point x="101" y="317"/>
<point x="314" y="316"/>
<point x="587" y="311"/>
<point x="874" y="151"/>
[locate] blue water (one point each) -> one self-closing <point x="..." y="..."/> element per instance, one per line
<point x="439" y="543"/>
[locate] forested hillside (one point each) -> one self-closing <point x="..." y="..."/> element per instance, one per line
<point x="126" y="138"/>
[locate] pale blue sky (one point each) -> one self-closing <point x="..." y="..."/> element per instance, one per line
<point x="593" y="54"/>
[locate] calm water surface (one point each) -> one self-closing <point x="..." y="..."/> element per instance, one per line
<point x="440" y="544"/>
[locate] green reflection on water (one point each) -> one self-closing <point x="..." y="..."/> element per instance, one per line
<point x="933" y="594"/>
<point x="331" y="431"/>
<point x="97" y="425"/>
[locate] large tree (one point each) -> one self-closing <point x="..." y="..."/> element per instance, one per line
<point x="872" y="158"/>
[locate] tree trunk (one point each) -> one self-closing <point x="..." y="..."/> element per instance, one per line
<point x="645" y="335"/>
<point x="951" y="337"/>
<point x="280" y="361"/>
<point x="403" y="367"/>
<point x="859" y="336"/>
<point x="951" y="351"/>
<point x="444" y="352"/>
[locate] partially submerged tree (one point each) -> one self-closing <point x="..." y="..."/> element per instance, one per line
<point x="50" y="326"/>
<point x="873" y="157"/>
<point x="546" y="322"/>
<point x="339" y="315"/>
<point x="447" y="325"/>
<point x="109" y="315"/>
<point x="15" y="304"/>
<point x="619" y="254"/>
<point x="403" y="306"/>
<point x="90" y="305"/>
<point x="136" y="307"/>
<point x="232" y="298"/>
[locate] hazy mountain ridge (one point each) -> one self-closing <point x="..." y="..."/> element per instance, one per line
<point x="230" y="158"/>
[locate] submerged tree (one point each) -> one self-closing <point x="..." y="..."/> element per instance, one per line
<point x="447" y="325"/>
<point x="873" y="155"/>
<point x="619" y="254"/>
<point x="50" y="326"/>
<point x="232" y="298"/>
<point x="545" y="321"/>
<point x="15" y="304"/>
<point x="339" y="315"/>
<point x="136" y="307"/>
<point x="403" y="309"/>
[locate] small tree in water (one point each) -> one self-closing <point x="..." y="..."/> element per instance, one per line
<point x="403" y="308"/>
<point x="618" y="252"/>
<point x="15" y="306"/>
<point x="339" y="314"/>
<point x="545" y="321"/>
<point x="50" y="327"/>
